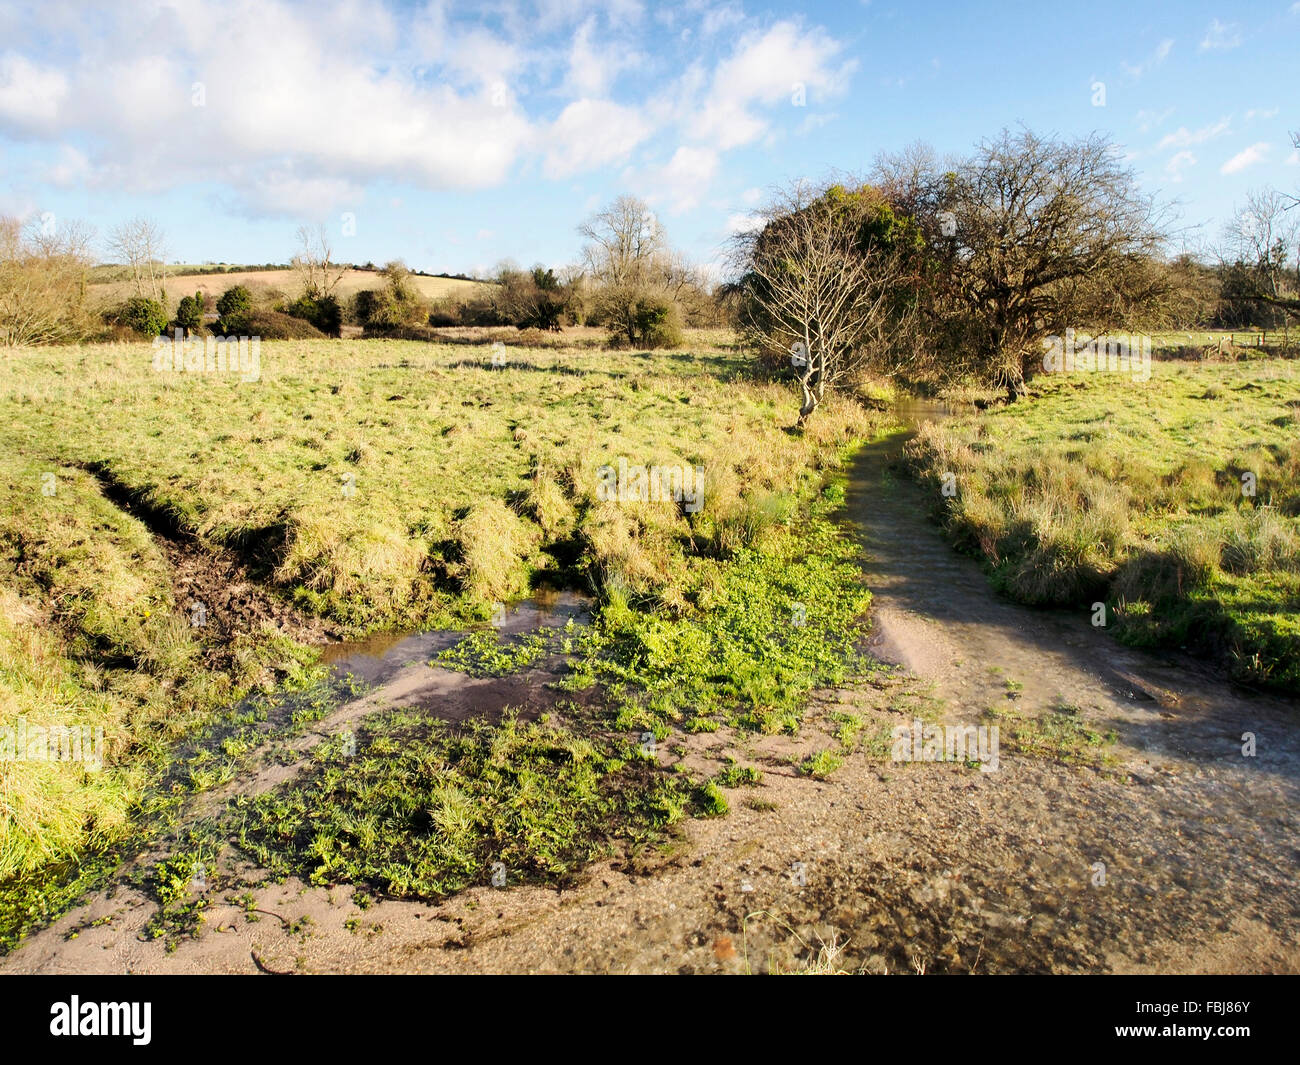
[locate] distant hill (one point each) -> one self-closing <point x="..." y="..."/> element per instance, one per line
<point x="114" y="281"/>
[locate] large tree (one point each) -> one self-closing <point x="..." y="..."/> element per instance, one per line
<point x="1036" y="235"/>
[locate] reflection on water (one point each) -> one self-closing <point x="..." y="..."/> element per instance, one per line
<point x="375" y="657"/>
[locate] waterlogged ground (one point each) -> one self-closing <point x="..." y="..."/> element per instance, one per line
<point x="1124" y="830"/>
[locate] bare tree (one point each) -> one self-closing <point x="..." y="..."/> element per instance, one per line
<point x="315" y="264"/>
<point x="1257" y="242"/>
<point x="642" y="288"/>
<point x="43" y="282"/>
<point x="813" y="287"/>
<point x="141" y="246"/>
<point x="625" y="240"/>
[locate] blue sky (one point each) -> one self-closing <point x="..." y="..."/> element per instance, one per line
<point x="456" y="135"/>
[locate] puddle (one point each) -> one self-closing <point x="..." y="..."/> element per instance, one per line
<point x="379" y="657"/>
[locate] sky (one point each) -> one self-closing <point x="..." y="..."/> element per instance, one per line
<point x="456" y="135"/>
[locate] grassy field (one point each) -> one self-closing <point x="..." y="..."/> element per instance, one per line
<point x="1175" y="501"/>
<point x="286" y="281"/>
<point x="376" y="484"/>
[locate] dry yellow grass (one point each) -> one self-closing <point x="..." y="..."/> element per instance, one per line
<point x="286" y="281"/>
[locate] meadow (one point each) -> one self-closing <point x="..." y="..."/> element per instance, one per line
<point x="1174" y="502"/>
<point x="365" y="485"/>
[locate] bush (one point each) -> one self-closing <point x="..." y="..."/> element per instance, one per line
<point x="43" y="284"/>
<point x="144" y="316"/>
<point x="234" y="307"/>
<point x="658" y="323"/>
<point x="639" y="315"/>
<point x="189" y="315"/>
<point x="482" y="310"/>
<point x="274" y="325"/>
<point x="396" y="305"/>
<point x="533" y="299"/>
<point x="323" y="312"/>
<point x="444" y="314"/>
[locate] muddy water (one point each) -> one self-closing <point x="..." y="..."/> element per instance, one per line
<point x="395" y="666"/>
<point x="1180" y="726"/>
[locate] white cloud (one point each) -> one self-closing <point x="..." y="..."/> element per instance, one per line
<point x="30" y="95"/>
<point x="1246" y="157"/>
<point x="1256" y="114"/>
<point x="285" y="192"/>
<point x="720" y="17"/>
<point x="765" y="70"/>
<point x="1179" y="162"/>
<point x="1152" y="61"/>
<point x="278" y="83"/>
<point x="683" y="181"/>
<point x="1220" y="35"/>
<point x="592" y="133"/>
<point x="1182" y="136"/>
<point x="300" y="108"/>
<point x="590" y="69"/>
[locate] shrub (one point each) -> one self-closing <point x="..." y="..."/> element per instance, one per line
<point x="658" y="323"/>
<point x="274" y="325"/>
<point x="143" y="315"/>
<point x="444" y="314"/>
<point x="43" y="284"/>
<point x="534" y="299"/>
<point x="234" y="307"/>
<point x="323" y="312"/>
<point x="639" y="316"/>
<point x="189" y="315"/>
<point x="397" y="304"/>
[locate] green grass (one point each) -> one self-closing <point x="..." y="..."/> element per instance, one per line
<point x="1099" y="488"/>
<point x="1059" y="734"/>
<point x="398" y="484"/>
<point x="486" y="654"/>
<point x="423" y="810"/>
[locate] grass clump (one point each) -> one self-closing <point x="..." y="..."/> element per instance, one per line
<point x="1060" y="734"/>
<point x="486" y="654"/>
<point x="423" y="810"/>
